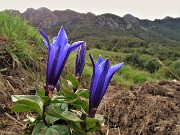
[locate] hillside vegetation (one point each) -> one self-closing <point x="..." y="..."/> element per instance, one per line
<point x="141" y="50"/>
<point x="23" y="58"/>
<point x="19" y="44"/>
<point x="143" y="45"/>
<point x="21" y="55"/>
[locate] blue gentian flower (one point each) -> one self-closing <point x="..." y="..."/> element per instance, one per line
<point x="58" y="53"/>
<point x="80" y="60"/>
<point x="102" y="74"/>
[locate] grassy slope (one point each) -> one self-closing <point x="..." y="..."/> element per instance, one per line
<point x="25" y="50"/>
<point x="126" y="76"/>
<point x="22" y="50"/>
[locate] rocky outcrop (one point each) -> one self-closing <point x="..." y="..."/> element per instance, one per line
<point x="127" y="22"/>
<point x="131" y="19"/>
<point x="69" y="15"/>
<point x="42" y="16"/>
<point x="46" y="18"/>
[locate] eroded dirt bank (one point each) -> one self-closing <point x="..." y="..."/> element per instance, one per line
<point x="151" y="109"/>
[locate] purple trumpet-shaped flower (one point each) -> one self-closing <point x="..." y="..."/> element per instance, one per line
<point x="102" y="74"/>
<point x="58" y="53"/>
<point x="80" y="60"/>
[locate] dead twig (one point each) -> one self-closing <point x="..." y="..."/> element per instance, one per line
<point x="10" y="86"/>
<point x="14" y="119"/>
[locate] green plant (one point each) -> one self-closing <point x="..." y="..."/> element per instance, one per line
<point x="22" y="45"/>
<point x="67" y="110"/>
<point x="152" y="65"/>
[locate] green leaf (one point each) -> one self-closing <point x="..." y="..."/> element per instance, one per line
<point x="62" y="99"/>
<point x="79" y="107"/>
<point x="69" y="94"/>
<point x="81" y="103"/>
<point x="60" y="107"/>
<point x="31" y="97"/>
<point x="25" y="103"/>
<point x="14" y="56"/>
<point x="73" y="80"/>
<point x="46" y="100"/>
<point x="65" y="86"/>
<point x="65" y="115"/>
<point x="40" y="92"/>
<point x="92" y="124"/>
<point x="20" y="108"/>
<point x="83" y="93"/>
<point x="76" y="133"/>
<point x="41" y="129"/>
<point x="78" y="130"/>
<point x="51" y="119"/>
<point x="71" y="116"/>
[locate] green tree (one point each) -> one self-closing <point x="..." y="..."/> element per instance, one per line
<point x="152" y="65"/>
<point x="176" y="67"/>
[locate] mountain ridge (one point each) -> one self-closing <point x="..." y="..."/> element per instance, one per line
<point x="50" y="21"/>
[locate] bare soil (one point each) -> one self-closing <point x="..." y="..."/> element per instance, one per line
<point x="13" y="83"/>
<point x="151" y="109"/>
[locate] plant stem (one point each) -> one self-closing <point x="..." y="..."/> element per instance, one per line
<point x="83" y="124"/>
<point x="44" y="117"/>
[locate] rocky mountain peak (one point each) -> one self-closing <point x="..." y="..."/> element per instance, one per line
<point x="116" y="22"/>
<point x="131" y="19"/>
<point x="43" y="9"/>
<point x="69" y="15"/>
<point x="42" y="16"/>
<point x="30" y="10"/>
<point x="167" y="18"/>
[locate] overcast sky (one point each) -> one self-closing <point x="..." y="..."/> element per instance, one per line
<point x="143" y="9"/>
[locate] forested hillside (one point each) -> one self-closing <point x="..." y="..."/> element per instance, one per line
<point x="142" y="42"/>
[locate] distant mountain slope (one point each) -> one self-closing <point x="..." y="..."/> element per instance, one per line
<point x="141" y="42"/>
<point x="106" y="26"/>
<point x="167" y="28"/>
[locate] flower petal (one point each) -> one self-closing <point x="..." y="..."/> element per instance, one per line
<point x="91" y="57"/>
<point x="52" y="64"/>
<point x="80" y="60"/>
<point x="63" y="56"/>
<point x="92" y="89"/>
<point x="102" y="74"/>
<point x="100" y="59"/>
<point x="109" y="75"/>
<point x="116" y="67"/>
<point x="45" y="36"/>
<point x="97" y="71"/>
<point x="61" y="40"/>
<point x="75" y="45"/>
<point x="58" y="53"/>
<point x="58" y="86"/>
<point x="101" y="83"/>
<point x="45" y="42"/>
